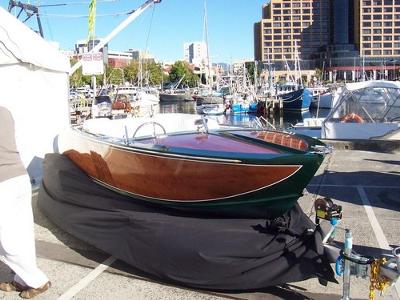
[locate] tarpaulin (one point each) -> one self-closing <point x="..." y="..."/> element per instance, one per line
<point x="211" y="253"/>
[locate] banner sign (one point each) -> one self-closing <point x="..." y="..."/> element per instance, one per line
<point x="92" y="63"/>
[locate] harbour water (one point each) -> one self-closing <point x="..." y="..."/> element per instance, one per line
<point x="282" y="120"/>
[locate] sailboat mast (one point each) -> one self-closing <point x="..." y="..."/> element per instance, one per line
<point x="209" y="77"/>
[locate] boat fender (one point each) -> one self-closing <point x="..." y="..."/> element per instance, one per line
<point x="352" y="118"/>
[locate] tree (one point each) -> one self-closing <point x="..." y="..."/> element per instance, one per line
<point x="250" y="67"/>
<point x="156" y="75"/>
<point x="131" y="72"/>
<point x="181" y="69"/>
<point x="78" y="79"/>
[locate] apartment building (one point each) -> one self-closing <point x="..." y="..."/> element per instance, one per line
<point x="343" y="37"/>
<point x="195" y="53"/>
<point x="378" y="28"/>
<point x="292" y="28"/>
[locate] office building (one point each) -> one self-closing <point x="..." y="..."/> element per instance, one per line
<point x="195" y="53"/>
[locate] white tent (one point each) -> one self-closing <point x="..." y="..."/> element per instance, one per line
<point x="34" y="87"/>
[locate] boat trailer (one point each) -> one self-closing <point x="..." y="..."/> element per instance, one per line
<point x="382" y="272"/>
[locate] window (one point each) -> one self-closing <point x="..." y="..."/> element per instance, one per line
<point x="388" y="2"/>
<point x="286" y="30"/>
<point x="387" y="37"/>
<point x="387" y="30"/>
<point x="277" y="44"/>
<point x="367" y="10"/>
<point x="366" y="17"/>
<point x="377" y="38"/>
<point x="267" y="37"/>
<point x="277" y="5"/>
<point x="387" y="17"/>
<point x="306" y="11"/>
<point x="277" y="18"/>
<point x="287" y="24"/>
<point x="366" y="31"/>
<point x="367" y="45"/>
<point x="387" y="9"/>
<point x="296" y="5"/>
<point x="366" y="38"/>
<point x="267" y="31"/>
<point x="267" y="44"/>
<point x="377" y="24"/>
<point x="287" y="43"/>
<point x="366" y="24"/>
<point x="376" y="52"/>
<point x="277" y="30"/>
<point x="387" y="24"/>
<point x="367" y="52"/>
<point x="377" y="17"/>
<point x="377" y="45"/>
<point x="278" y="57"/>
<point x="296" y="11"/>
<point x="306" y="24"/>
<point x="277" y="11"/>
<point x="396" y="45"/>
<point x="306" y="17"/>
<point x="286" y="18"/>
<point x="387" y="45"/>
<point x="296" y="24"/>
<point x="366" y="3"/>
<point x="377" y="31"/>
<point x="277" y="24"/>
<point x="377" y="9"/>
<point x="387" y="52"/>
<point x="296" y="18"/>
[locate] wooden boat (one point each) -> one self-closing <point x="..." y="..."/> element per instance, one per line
<point x="227" y="172"/>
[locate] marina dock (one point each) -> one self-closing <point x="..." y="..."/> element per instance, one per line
<point x="365" y="183"/>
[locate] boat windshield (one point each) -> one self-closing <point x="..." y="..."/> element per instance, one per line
<point x="369" y="104"/>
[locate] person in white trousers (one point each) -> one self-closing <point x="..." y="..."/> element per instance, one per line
<point x="17" y="241"/>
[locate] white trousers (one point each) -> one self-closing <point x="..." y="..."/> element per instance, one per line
<point x="17" y="241"/>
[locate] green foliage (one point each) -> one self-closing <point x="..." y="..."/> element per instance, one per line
<point x="131" y="72"/>
<point x="250" y="67"/>
<point x="78" y="79"/>
<point x="156" y="73"/>
<point x="180" y="69"/>
<point x="115" y="76"/>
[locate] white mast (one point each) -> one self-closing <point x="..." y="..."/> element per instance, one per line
<point x="209" y="80"/>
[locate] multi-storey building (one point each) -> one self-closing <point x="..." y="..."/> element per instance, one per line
<point x="346" y="38"/>
<point x="378" y="28"/>
<point x="195" y="53"/>
<point x="291" y="29"/>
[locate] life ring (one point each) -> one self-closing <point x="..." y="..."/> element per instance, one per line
<point x="352" y="118"/>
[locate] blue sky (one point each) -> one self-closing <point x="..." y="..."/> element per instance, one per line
<point x="162" y="30"/>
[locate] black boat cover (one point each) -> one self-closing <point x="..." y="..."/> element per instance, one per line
<point x="221" y="254"/>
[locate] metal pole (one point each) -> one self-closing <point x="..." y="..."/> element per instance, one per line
<point x="117" y="30"/>
<point x="348" y="246"/>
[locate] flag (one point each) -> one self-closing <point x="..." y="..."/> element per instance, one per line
<point x="92" y="19"/>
